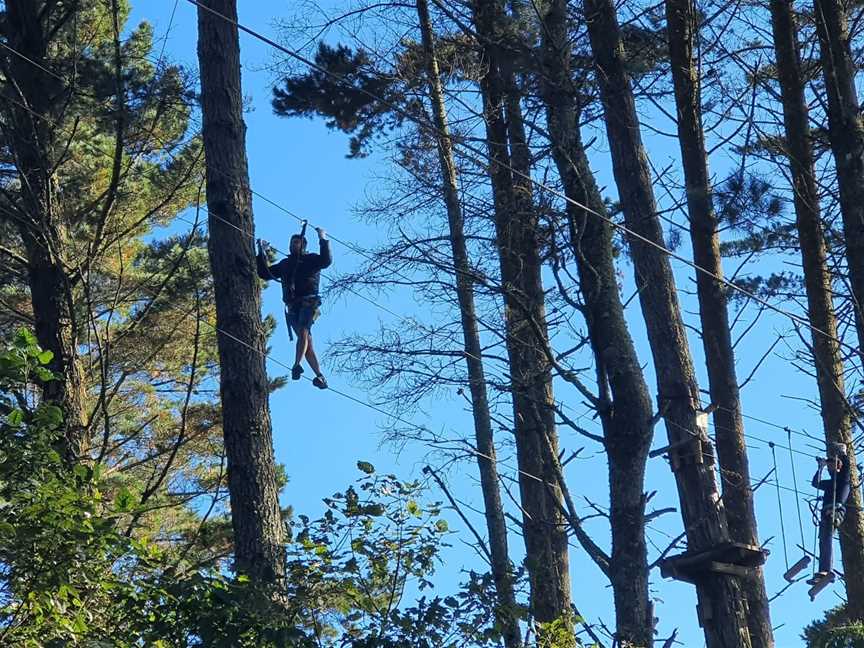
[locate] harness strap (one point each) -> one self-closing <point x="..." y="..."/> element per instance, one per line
<point x="293" y="286"/>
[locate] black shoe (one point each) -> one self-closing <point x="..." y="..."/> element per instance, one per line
<point x="818" y="576"/>
<point x="296" y="370"/>
<point x="320" y="382"/>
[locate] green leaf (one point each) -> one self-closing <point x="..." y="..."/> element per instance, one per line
<point x="366" y="467"/>
<point x="24" y="339"/>
<point x="12" y="361"/>
<point x="49" y="416"/>
<point x="441" y="526"/>
<point x="374" y="510"/>
<point x="44" y="374"/>
<point x="15" y="418"/>
<point x="413" y="508"/>
<point x="45" y="357"/>
<point x="125" y="500"/>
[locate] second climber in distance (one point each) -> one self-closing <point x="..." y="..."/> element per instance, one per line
<point x="300" y="275"/>
<point x="836" y="490"/>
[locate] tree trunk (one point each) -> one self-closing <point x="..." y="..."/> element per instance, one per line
<point x="40" y="220"/>
<point x="531" y="379"/>
<point x="486" y="459"/>
<point x="682" y="25"/>
<point x="721" y="607"/>
<point x="820" y="307"/>
<point x="626" y="414"/>
<point x="846" y="133"/>
<point x="255" y="513"/>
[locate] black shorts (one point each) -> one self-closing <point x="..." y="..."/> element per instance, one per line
<point x="302" y="314"/>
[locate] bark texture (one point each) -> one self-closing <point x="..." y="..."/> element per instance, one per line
<point x="255" y="513"/>
<point x="625" y="409"/>
<point x="544" y="527"/>
<point x="682" y="26"/>
<point x="846" y="133"/>
<point x="721" y="605"/>
<point x="35" y="98"/>
<point x="827" y="354"/>
<point x="496" y="525"/>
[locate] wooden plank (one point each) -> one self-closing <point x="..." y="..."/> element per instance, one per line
<point x="726" y="568"/>
<point x="820" y="585"/>
<point x="672" y="446"/>
<point x="796" y="569"/>
<point x="735" y="559"/>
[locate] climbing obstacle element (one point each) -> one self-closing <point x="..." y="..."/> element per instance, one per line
<point x="796" y="569"/>
<point x="730" y="558"/>
<point x="820" y="584"/>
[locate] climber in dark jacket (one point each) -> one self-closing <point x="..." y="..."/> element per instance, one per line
<point x="836" y="490"/>
<point x="300" y="274"/>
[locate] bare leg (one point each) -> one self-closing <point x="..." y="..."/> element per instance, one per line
<point x="302" y="342"/>
<point x="311" y="358"/>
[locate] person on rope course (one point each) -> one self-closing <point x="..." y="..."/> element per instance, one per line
<point x="300" y="274"/>
<point x="836" y="490"/>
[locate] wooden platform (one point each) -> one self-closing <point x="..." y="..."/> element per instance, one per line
<point x="731" y="558"/>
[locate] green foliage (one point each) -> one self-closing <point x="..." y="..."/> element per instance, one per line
<point x="835" y="630"/>
<point x="70" y="573"/>
<point x="559" y="633"/>
<point x="348" y="101"/>
<point x="354" y="568"/>
<point x="373" y="540"/>
<point x="54" y="540"/>
<point x="137" y="298"/>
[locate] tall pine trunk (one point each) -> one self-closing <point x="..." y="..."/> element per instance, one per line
<point x="496" y="524"/>
<point x="626" y="410"/>
<point x="255" y="513"/>
<point x="820" y="307"/>
<point x="682" y="26"/>
<point x="38" y="97"/>
<point x="721" y="606"/>
<point x="846" y="133"/>
<point x="543" y="525"/>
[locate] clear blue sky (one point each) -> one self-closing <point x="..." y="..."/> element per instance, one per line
<point x="319" y="436"/>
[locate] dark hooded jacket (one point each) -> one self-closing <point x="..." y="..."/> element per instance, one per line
<point x="840" y="481"/>
<point x="305" y="269"/>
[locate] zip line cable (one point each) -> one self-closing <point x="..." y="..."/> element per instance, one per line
<point x="797" y="496"/>
<point x="780" y="507"/>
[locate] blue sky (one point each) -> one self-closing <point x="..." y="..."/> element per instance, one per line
<point x="319" y="436"/>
